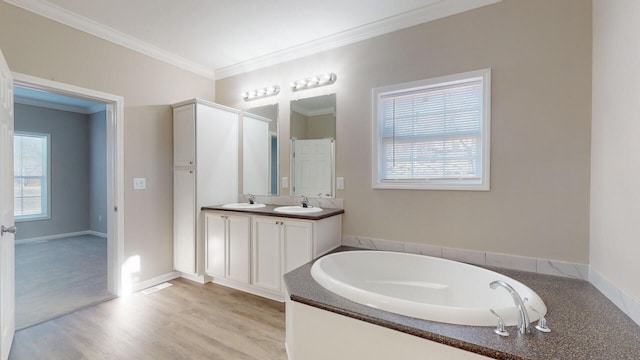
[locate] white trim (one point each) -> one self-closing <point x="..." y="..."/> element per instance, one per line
<point x="98" y="234"/>
<point x="621" y="299"/>
<point x="115" y="167"/>
<point x="200" y="279"/>
<point x="436" y="9"/>
<point x="55" y="237"/>
<point x="155" y="281"/>
<point x="483" y="183"/>
<point x="66" y="17"/>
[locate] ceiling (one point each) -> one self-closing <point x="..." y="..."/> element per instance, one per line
<point x="221" y="38"/>
<point x="35" y="97"/>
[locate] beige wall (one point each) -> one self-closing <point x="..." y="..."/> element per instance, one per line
<point x="540" y="55"/>
<point x="615" y="164"/>
<point x="321" y="127"/>
<point x="39" y="47"/>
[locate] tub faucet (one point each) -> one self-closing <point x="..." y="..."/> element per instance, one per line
<point x="523" y="316"/>
<point x="252" y="199"/>
<point x="305" y="202"/>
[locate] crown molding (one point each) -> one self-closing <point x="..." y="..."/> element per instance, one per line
<point x="56" y="13"/>
<point x="435" y="10"/>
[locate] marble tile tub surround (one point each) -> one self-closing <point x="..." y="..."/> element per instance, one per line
<point x="330" y="203"/>
<point x="540" y="266"/>
<point x="629" y="305"/>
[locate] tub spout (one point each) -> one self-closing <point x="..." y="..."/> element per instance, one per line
<point x="523" y="316"/>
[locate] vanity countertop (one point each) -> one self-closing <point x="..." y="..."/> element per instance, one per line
<point x="584" y="323"/>
<point x="268" y="210"/>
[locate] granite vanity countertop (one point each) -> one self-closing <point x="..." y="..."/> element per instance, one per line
<point x="584" y="323"/>
<point x="267" y="210"/>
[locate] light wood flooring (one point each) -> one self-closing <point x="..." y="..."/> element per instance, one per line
<point x="185" y="321"/>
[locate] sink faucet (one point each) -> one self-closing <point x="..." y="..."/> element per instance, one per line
<point x="305" y="202"/>
<point x="252" y="199"/>
<point x="523" y="316"/>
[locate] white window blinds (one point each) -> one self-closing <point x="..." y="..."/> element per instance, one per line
<point x="433" y="133"/>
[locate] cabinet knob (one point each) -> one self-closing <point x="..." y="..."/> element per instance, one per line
<point x="190" y="162"/>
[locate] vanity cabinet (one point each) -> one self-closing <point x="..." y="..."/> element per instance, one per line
<point x="228" y="246"/>
<point x="252" y="252"/>
<point x="205" y="153"/>
<point x="279" y="246"/>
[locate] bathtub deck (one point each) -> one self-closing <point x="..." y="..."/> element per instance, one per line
<point x="584" y="323"/>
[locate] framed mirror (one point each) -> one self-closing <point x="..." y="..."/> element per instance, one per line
<point x="313" y="139"/>
<point x="260" y="150"/>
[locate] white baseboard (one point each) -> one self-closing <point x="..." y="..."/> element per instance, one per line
<point x="59" y="236"/>
<point x="98" y="234"/>
<point x="622" y="300"/>
<point x="200" y="279"/>
<point x="155" y="281"/>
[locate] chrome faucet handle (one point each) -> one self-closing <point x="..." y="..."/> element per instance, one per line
<point x="542" y="322"/>
<point x="251" y="199"/>
<point x="500" y="329"/>
<point x="305" y="202"/>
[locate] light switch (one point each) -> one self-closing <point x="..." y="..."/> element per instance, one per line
<point x="340" y="183"/>
<point x="285" y="182"/>
<point x="139" y="183"/>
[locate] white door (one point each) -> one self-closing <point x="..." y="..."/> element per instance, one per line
<point x="313" y="167"/>
<point x="215" y="237"/>
<point x="267" y="252"/>
<point x="238" y="246"/>
<point x="184" y="220"/>
<point x="7" y="239"/>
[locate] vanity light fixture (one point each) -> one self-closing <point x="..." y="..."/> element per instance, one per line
<point x="261" y="93"/>
<point x="314" y="81"/>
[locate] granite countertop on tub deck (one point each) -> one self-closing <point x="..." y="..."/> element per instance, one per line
<point x="267" y="210"/>
<point x="584" y="323"/>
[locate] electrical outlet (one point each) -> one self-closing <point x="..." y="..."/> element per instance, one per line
<point x="340" y="183"/>
<point x="139" y="183"/>
<point x="285" y="182"/>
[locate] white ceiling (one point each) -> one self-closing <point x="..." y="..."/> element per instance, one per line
<point x="220" y="38"/>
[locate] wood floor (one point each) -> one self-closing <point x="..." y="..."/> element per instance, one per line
<point x="185" y="321"/>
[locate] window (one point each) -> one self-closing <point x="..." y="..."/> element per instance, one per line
<point x="433" y="134"/>
<point x="31" y="176"/>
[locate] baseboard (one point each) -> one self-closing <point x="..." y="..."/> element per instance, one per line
<point x="155" y="281"/>
<point x="622" y="300"/>
<point x="200" y="279"/>
<point x="59" y="236"/>
<point x="98" y="234"/>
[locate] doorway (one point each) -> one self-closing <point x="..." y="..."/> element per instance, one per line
<point x="113" y="218"/>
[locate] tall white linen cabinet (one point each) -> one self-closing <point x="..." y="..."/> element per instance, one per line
<point x="205" y="172"/>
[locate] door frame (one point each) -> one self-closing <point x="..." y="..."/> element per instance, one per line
<point x="115" y="167"/>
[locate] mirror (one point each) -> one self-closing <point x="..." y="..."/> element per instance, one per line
<point x="260" y="150"/>
<point x="313" y="136"/>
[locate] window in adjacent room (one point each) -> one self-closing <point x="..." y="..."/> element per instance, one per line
<point x="31" y="176"/>
<point x="433" y="134"/>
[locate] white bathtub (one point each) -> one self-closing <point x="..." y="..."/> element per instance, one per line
<point x="423" y="287"/>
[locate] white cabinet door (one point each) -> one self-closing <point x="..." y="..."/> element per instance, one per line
<point x="184" y="220"/>
<point x="297" y="239"/>
<point x="267" y="271"/>
<point x="215" y="235"/>
<point x="238" y="246"/>
<point x="184" y="135"/>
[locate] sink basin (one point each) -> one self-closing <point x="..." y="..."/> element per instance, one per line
<point x="243" y="206"/>
<point x="297" y="209"/>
